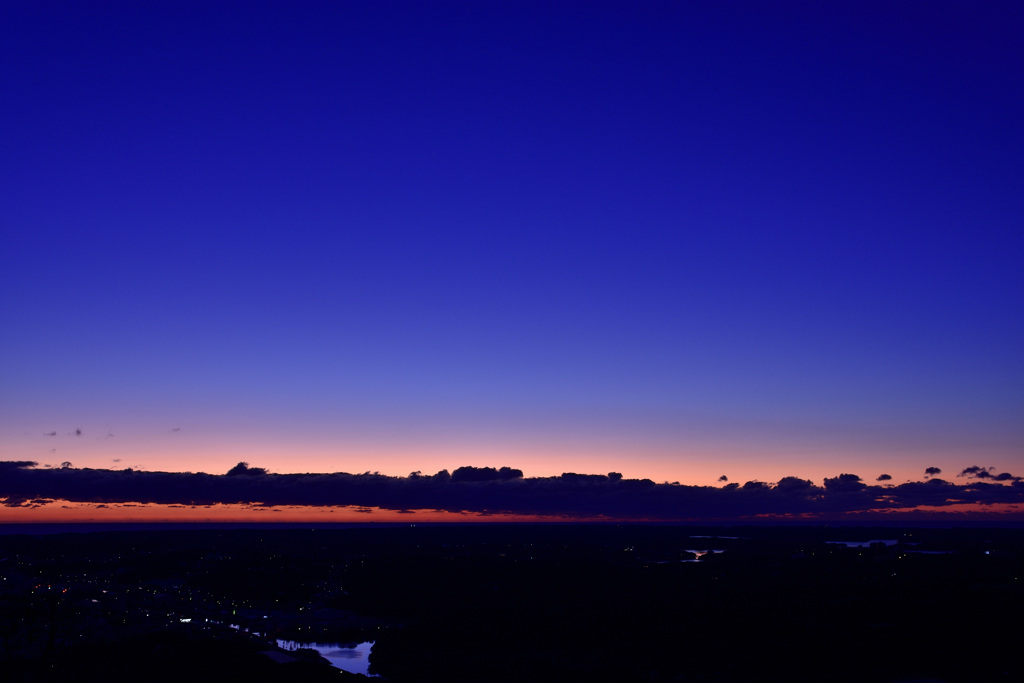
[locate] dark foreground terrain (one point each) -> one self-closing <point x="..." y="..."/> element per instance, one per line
<point x="523" y="603"/>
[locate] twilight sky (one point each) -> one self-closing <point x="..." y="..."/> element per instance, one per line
<point x="671" y="240"/>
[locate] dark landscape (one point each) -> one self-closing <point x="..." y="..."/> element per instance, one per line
<point x="512" y="602"/>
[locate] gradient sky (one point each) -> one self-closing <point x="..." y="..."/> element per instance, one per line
<point x="673" y="240"/>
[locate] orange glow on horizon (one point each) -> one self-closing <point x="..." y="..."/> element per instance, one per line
<point x="696" y="459"/>
<point x="62" y="512"/>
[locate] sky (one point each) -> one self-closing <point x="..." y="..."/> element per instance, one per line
<point x="677" y="241"/>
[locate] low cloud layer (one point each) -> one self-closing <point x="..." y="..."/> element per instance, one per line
<point x="504" y="490"/>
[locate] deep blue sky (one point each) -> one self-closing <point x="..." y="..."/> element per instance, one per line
<point x="671" y="239"/>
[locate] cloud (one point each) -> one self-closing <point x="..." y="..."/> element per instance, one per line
<point x="7" y="465"/>
<point x="932" y="472"/>
<point x="794" y="485"/>
<point x="884" y="477"/>
<point x="976" y="472"/>
<point x="487" y="490"/>
<point x="486" y="474"/>
<point x="243" y="469"/>
<point x="845" y="483"/>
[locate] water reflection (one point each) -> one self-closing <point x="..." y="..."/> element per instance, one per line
<point x="351" y="657"/>
<point x="864" y="544"/>
<point x="701" y="553"/>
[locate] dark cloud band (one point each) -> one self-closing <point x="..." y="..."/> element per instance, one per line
<point x="490" y="490"/>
